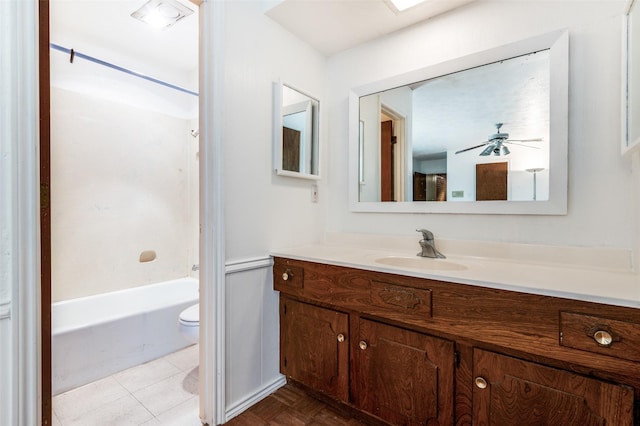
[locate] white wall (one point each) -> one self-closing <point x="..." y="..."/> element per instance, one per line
<point x="370" y="118"/>
<point x="262" y="211"/>
<point x="519" y="181"/>
<point x="600" y="210"/>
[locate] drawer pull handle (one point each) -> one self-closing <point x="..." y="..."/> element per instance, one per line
<point x="603" y="338"/>
<point x="285" y="276"/>
<point x="481" y="383"/>
<point x="340" y="337"/>
<point x="363" y="345"/>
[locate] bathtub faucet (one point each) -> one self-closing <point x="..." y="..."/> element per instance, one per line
<point x="428" y="245"/>
<point x="195" y="267"/>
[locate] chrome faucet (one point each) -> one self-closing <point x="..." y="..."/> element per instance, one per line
<point x="428" y="245"/>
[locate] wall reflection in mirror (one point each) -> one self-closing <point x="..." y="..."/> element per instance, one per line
<point x="299" y="141"/>
<point x="631" y="86"/>
<point x="473" y="135"/>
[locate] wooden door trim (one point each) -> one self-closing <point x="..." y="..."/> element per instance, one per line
<point x="386" y="161"/>
<point x="45" y="210"/>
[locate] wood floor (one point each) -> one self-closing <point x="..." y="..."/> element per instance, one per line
<point x="291" y="406"/>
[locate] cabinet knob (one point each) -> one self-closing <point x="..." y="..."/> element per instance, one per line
<point x="285" y="276"/>
<point x="363" y="345"/>
<point x="340" y="337"/>
<point x="603" y="338"/>
<point x="481" y="383"/>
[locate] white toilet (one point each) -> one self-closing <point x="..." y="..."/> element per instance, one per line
<point x="190" y="323"/>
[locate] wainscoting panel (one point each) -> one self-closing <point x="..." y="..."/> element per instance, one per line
<point x="252" y="348"/>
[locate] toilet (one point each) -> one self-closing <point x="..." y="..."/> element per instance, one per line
<point x="190" y="323"/>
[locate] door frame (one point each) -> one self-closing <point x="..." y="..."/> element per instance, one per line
<point x="19" y="188"/>
<point x="212" y="249"/>
<point x="212" y="231"/>
<point x="399" y="156"/>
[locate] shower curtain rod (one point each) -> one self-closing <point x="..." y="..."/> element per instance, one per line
<point x="73" y="54"/>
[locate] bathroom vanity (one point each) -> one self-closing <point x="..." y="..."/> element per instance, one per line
<point x="410" y="346"/>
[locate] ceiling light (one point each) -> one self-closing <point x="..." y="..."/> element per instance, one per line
<point x="488" y="150"/>
<point x="161" y="13"/>
<point x="402" y="5"/>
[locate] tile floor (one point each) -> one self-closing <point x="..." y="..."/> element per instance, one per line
<point x="159" y="392"/>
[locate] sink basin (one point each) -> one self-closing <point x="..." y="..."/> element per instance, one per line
<point x="424" y="263"/>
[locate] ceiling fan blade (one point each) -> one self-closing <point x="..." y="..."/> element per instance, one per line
<point x="526" y="140"/>
<point x="473" y="147"/>
<point x="519" y="144"/>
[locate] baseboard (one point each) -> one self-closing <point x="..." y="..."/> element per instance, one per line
<point x="257" y="396"/>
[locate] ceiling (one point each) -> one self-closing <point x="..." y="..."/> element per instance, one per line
<point x="329" y="26"/>
<point x="332" y="26"/>
<point x="460" y="110"/>
<point x="105" y="28"/>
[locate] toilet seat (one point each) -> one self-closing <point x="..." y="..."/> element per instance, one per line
<point x="189" y="321"/>
<point x="191" y="316"/>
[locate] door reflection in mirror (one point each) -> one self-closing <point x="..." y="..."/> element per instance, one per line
<point x="299" y="132"/>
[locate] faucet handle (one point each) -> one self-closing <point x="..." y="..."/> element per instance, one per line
<point x="426" y="234"/>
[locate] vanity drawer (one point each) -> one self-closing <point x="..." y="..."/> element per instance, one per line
<point x="615" y="338"/>
<point x="411" y="301"/>
<point x="287" y="276"/>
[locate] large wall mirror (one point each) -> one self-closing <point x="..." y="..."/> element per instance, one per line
<point x="631" y="84"/>
<point x="485" y="133"/>
<point x="295" y="133"/>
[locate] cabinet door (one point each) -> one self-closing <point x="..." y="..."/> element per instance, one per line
<point x="509" y="391"/>
<point x="404" y="377"/>
<point x="313" y="347"/>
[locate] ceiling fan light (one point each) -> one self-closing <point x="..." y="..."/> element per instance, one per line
<point x="487" y="151"/>
<point x="505" y="150"/>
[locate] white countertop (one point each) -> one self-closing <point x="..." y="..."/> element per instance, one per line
<point x="602" y="275"/>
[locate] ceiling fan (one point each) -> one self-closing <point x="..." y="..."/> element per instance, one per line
<point x="495" y="143"/>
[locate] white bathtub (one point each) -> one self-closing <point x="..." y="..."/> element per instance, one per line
<point x="96" y="336"/>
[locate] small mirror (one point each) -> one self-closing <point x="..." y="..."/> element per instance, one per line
<point x="295" y="133"/>
<point x="631" y="85"/>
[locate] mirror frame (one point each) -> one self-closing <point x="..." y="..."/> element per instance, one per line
<point x="277" y="133"/>
<point x="628" y="146"/>
<point x="558" y="44"/>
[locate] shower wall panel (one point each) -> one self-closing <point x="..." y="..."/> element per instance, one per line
<point x="119" y="186"/>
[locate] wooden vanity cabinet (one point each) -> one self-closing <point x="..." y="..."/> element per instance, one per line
<point x="403" y="377"/>
<point x="398" y="375"/>
<point x="412" y="351"/>
<point x="313" y="347"/>
<point x="510" y="391"/>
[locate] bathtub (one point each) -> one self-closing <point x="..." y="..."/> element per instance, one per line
<point x="93" y="337"/>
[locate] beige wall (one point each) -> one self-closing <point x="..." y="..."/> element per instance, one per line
<point x="120" y="185"/>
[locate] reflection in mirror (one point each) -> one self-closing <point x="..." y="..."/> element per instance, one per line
<point x="485" y="133"/>
<point x="631" y="65"/>
<point x="460" y="123"/>
<point x="295" y="133"/>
